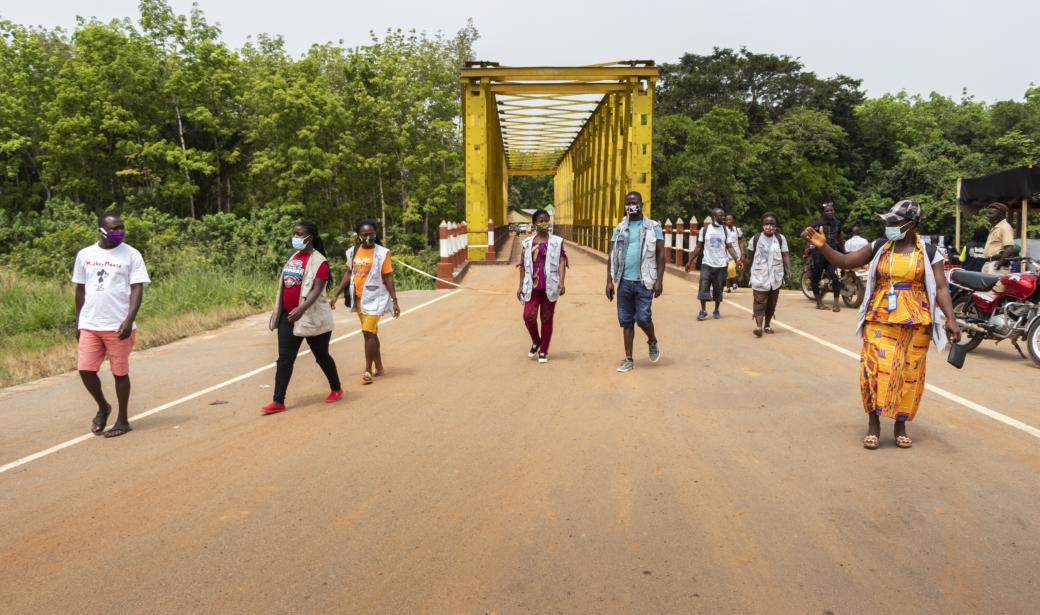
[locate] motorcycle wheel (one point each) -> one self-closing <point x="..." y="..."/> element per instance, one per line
<point x="965" y="308"/>
<point x="852" y="289"/>
<point x="807" y="286"/>
<point x="1033" y="341"/>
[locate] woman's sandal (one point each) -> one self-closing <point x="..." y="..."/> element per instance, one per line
<point x="100" y="420"/>
<point x="366" y="378"/>
<point x="904" y="441"/>
<point x="118" y="429"/>
<point x="871" y="442"/>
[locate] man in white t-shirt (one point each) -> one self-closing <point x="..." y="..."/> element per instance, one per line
<point x="856" y="242"/>
<point x="109" y="277"/>
<point x="717" y="244"/>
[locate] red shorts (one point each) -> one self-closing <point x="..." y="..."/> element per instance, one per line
<point x="94" y="345"/>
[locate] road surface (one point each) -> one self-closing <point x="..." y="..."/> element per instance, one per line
<point x="728" y="478"/>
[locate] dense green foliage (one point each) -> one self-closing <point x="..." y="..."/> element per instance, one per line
<point x="161" y="114"/>
<point x="753" y="132"/>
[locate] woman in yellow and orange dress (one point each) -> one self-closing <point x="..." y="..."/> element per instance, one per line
<point x="906" y="289"/>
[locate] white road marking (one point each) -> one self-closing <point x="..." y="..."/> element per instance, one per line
<point x="57" y="447"/>
<point x="967" y="403"/>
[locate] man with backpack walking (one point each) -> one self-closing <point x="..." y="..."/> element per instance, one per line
<point x="714" y="242"/>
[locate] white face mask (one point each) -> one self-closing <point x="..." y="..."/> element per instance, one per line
<point x="299" y="243"/>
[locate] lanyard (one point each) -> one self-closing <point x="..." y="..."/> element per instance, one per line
<point x="891" y="275"/>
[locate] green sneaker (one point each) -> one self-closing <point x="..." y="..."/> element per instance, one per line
<point x="625" y="365"/>
<point x="655" y="351"/>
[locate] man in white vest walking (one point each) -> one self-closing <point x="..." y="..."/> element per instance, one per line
<point x="636" y="266"/>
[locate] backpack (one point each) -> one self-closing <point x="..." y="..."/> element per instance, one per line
<point x="704" y="231"/>
<point x="754" y="241"/>
<point x="929" y="249"/>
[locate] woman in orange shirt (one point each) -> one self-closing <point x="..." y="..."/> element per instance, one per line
<point x="370" y="279"/>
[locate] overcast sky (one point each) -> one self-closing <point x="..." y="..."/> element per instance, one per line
<point x="915" y="45"/>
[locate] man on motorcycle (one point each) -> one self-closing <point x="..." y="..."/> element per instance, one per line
<point x="1000" y="243"/>
<point x="830" y="227"/>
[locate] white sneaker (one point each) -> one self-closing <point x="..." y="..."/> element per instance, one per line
<point x="543" y="358"/>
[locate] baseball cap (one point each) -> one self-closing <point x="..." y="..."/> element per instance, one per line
<point x="903" y="210"/>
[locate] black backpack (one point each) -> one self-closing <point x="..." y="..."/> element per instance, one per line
<point x="929" y="249"/>
<point x="754" y="241"/>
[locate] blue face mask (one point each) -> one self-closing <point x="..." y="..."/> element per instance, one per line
<point x="895" y="233"/>
<point x="299" y="243"/>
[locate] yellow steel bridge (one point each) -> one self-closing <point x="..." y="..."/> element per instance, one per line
<point x="588" y="126"/>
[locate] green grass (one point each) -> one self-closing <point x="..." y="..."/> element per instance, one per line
<point x="37" y="317"/>
<point x="38" y="322"/>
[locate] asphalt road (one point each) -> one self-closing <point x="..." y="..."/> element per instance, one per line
<point x="727" y="478"/>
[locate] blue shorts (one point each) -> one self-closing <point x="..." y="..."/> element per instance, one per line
<point x="633" y="304"/>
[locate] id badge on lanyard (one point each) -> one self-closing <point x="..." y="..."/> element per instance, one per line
<point x="892" y="297"/>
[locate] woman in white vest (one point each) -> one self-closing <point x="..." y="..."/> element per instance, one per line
<point x="300" y="313"/>
<point x="768" y="258"/>
<point x="542" y="272"/>
<point x="369" y="280"/>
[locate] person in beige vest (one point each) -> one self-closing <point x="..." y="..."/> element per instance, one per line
<point x="301" y="313"/>
<point x="1000" y="242"/>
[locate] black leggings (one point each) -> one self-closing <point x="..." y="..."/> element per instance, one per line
<point x="819" y="265"/>
<point x="289" y="347"/>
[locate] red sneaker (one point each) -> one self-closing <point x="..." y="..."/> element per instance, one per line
<point x="272" y="408"/>
<point x="334" y="396"/>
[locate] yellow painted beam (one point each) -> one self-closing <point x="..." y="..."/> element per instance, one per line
<point x="552" y="88"/>
<point x="553" y="73"/>
<point x="531" y="172"/>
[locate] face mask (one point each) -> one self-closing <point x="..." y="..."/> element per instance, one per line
<point x="633" y="210"/>
<point x="368" y="240"/>
<point x="828" y="215"/>
<point x="542" y="226"/>
<point x="895" y="233"/>
<point x="299" y="243"/>
<point x="113" y="237"/>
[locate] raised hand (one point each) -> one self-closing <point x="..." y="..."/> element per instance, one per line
<point x="814" y="236"/>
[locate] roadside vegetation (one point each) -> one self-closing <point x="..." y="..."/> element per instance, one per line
<point x="211" y="153"/>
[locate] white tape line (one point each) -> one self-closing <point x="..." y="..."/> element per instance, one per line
<point x="967" y="403"/>
<point x="57" y="447"/>
<point x="433" y="277"/>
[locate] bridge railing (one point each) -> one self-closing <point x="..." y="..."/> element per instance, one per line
<point x="679" y="241"/>
<point x="454" y="240"/>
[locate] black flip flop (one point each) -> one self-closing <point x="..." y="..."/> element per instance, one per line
<point x="97" y="426"/>
<point x="118" y="429"/>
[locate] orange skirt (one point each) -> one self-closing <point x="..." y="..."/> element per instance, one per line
<point x="892" y="368"/>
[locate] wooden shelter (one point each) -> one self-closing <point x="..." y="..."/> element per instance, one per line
<point x="1017" y="188"/>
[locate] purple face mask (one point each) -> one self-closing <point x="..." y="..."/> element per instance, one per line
<point x="113" y="237"/>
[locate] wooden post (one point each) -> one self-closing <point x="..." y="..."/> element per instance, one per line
<point x="490" y="254"/>
<point x="668" y="241"/>
<point x="957" y="221"/>
<point x="445" y="267"/>
<point x="680" y="234"/>
<point x="1025" y="227"/>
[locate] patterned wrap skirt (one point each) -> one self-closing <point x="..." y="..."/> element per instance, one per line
<point x="892" y="368"/>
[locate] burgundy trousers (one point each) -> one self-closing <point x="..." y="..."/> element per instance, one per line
<point x="539" y="303"/>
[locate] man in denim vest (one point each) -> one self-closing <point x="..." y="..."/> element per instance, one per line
<point x="636" y="266"/>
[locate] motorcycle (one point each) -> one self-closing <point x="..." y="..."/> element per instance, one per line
<point x="853" y="285"/>
<point x="1010" y="313"/>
